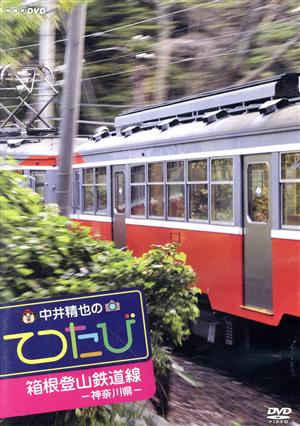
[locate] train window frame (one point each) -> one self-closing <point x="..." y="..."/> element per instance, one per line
<point x="89" y="185"/>
<point x="282" y="182"/>
<point x="138" y="184"/>
<point x="119" y="192"/>
<point x="269" y="218"/>
<point x="102" y="212"/>
<point x="162" y="184"/>
<point x="198" y="182"/>
<point x="94" y="186"/>
<point x="221" y="182"/>
<point x="169" y="184"/>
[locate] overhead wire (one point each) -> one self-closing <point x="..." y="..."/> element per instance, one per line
<point x="130" y="71"/>
<point x="156" y="66"/>
<point x="105" y="105"/>
<point x="132" y="54"/>
<point x="155" y="18"/>
<point x="130" y="25"/>
<point x="178" y="61"/>
<point x="98" y="34"/>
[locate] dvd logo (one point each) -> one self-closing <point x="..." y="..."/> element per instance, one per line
<point x="279" y="416"/>
<point x="24" y="10"/>
<point x="35" y="11"/>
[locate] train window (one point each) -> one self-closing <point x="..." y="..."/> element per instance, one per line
<point x="156" y="173"/>
<point x="120" y="192"/>
<point x="222" y="190"/>
<point x="94" y="190"/>
<point x="291" y="204"/>
<point x="138" y="174"/>
<point x="100" y="176"/>
<point x="198" y="171"/>
<point x="290" y="189"/>
<point x="175" y="171"/>
<point x="38" y="184"/>
<point x="88" y="204"/>
<point x="258" y="192"/>
<point x="176" y="190"/>
<point x="138" y="200"/>
<point x="290" y="165"/>
<point x="101" y="199"/>
<point x="88" y="177"/>
<point x="100" y="190"/>
<point x="221" y="169"/>
<point x="88" y="190"/>
<point x="198" y="190"/>
<point x="138" y="191"/>
<point x="156" y="191"/>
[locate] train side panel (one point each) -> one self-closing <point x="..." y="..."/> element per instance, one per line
<point x="286" y="276"/>
<point x="219" y="271"/>
<point x="99" y="230"/>
<point x="217" y="258"/>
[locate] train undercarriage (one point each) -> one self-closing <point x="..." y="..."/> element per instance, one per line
<point x="265" y="342"/>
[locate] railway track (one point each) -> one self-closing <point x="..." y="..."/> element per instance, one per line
<point x="235" y="389"/>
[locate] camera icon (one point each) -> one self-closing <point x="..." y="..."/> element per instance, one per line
<point x="112" y="306"/>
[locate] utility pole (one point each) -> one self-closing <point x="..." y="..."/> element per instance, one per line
<point x="70" y="104"/>
<point x="163" y="52"/>
<point x="138" y="80"/>
<point x="47" y="55"/>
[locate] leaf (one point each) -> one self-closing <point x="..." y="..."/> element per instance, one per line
<point x="181" y="257"/>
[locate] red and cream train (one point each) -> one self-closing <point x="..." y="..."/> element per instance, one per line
<point x="218" y="173"/>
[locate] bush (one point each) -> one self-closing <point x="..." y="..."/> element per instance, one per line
<point x="44" y="254"/>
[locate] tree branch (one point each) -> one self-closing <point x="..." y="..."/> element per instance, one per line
<point x="255" y="73"/>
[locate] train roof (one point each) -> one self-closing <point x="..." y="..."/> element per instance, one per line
<point x="252" y="116"/>
<point x="287" y="118"/>
<point x="256" y="92"/>
<point x="24" y="147"/>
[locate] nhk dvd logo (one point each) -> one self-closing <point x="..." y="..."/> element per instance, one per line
<point x="278" y="416"/>
<point x="23" y="10"/>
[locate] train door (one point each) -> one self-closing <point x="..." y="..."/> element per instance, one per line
<point x="257" y="232"/>
<point x="119" y="205"/>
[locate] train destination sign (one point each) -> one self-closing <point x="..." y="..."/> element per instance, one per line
<point x="74" y="352"/>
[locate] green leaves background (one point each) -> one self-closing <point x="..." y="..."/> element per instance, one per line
<point x="43" y="254"/>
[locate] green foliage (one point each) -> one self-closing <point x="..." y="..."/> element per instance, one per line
<point x="67" y="5"/>
<point x="43" y="254"/>
<point x="14" y="27"/>
<point x="233" y="35"/>
<point x="171" y="302"/>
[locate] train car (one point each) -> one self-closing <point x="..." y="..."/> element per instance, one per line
<point x="219" y="174"/>
<point x="37" y="159"/>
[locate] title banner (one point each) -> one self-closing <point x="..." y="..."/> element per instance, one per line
<point x="74" y="352"/>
